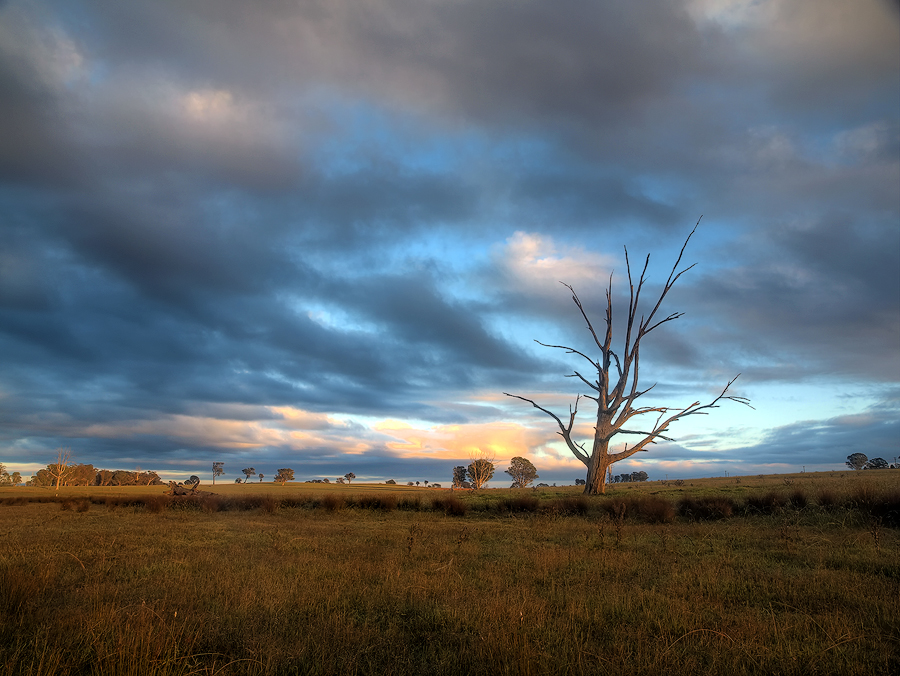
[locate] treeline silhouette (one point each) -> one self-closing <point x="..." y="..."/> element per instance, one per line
<point x="87" y="475"/>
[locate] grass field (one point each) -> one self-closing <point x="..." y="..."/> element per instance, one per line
<point x="712" y="576"/>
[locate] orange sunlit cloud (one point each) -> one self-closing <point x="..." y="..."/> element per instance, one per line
<point x="502" y="440"/>
<point x="298" y="419"/>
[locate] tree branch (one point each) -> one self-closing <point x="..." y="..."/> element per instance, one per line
<point x="565" y="432"/>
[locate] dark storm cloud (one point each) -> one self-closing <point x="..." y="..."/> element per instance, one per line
<point x="216" y="205"/>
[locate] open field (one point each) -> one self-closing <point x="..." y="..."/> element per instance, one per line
<point x="711" y="576"/>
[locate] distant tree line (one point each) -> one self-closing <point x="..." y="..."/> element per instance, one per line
<point x="86" y="475"/>
<point x="861" y="461"/>
<point x="628" y="478"/>
<point x="7" y="479"/>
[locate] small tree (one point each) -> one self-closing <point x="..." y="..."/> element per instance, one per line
<point x="522" y="472"/>
<point x="639" y="476"/>
<point x="391" y="482"/>
<point x="857" y="460"/>
<point x="877" y="463"/>
<point x="218" y="469"/>
<point x="349" y="476"/>
<point x="340" y="480"/>
<point x="480" y="470"/>
<point x="261" y="475"/>
<point x="284" y="475"/>
<point x="459" y="475"/>
<point x="249" y="472"/>
<point x="193" y="480"/>
<point x="614" y="382"/>
<point x="238" y="480"/>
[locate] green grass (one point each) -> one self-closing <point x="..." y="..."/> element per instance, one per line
<point x="318" y="579"/>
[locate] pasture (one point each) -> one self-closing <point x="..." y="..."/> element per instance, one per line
<point x="789" y="575"/>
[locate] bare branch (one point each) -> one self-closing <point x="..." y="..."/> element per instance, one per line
<point x="565" y="432"/>
<point x="584" y="314"/>
<point x="570" y="350"/>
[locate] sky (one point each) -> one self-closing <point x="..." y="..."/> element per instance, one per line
<point x="325" y="234"/>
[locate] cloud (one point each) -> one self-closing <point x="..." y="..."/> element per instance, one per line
<point x="260" y="232"/>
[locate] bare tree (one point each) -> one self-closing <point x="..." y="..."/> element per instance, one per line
<point x="60" y="469"/>
<point x="616" y="383"/>
<point x="481" y="469"/>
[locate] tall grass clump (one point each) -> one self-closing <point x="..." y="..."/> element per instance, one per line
<point x="450" y="505"/>
<point x="579" y="506"/>
<point x="268" y="504"/>
<point x="798" y="499"/>
<point x="384" y="503"/>
<point x="332" y="502"/>
<point x="706" y="508"/>
<point x="156" y="503"/>
<point x="517" y="503"/>
<point x="410" y="503"/>
<point x="766" y="503"/>
<point x="654" y="509"/>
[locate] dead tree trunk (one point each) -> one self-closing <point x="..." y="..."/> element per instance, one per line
<point x="615" y="387"/>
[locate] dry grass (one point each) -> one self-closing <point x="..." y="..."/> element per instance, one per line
<point x="420" y="582"/>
